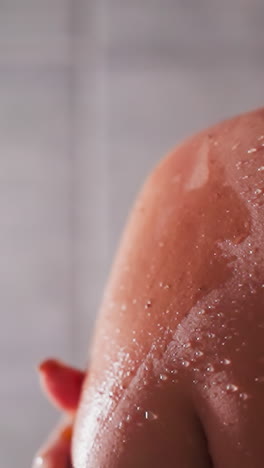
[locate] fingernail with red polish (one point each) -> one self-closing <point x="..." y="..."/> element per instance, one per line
<point x="62" y="383"/>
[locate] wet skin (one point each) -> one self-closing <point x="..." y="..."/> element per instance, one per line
<point x="176" y="375"/>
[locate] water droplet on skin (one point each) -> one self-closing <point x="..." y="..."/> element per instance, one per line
<point x="163" y="377"/>
<point x="128" y="418"/>
<point x="164" y="285"/>
<point x="226" y="361"/>
<point x="211" y="335"/>
<point x="120" y="425"/>
<point x="150" y="416"/>
<point x="261" y="168"/>
<point x="198" y="338"/>
<point x="258" y="191"/>
<point x="186" y="345"/>
<point x="201" y="312"/>
<point x="261" y="137"/>
<point x="252" y="150"/>
<point x="198" y="353"/>
<point x="244" y="396"/>
<point x="232" y="388"/>
<point x="210" y="368"/>
<point x="148" y="304"/>
<point x="259" y="379"/>
<point x="175" y="381"/>
<point x="185" y="363"/>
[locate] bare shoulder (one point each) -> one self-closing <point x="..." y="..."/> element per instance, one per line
<point x="181" y="325"/>
<point x="195" y="234"/>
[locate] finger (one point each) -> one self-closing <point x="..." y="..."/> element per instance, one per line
<point x="56" y="453"/>
<point x="61" y="383"/>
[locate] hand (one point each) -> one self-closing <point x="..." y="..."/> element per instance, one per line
<point x="62" y="385"/>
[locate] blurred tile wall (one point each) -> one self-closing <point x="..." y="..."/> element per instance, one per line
<point x="92" y="94"/>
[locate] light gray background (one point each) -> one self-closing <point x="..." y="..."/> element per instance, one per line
<point x="92" y="94"/>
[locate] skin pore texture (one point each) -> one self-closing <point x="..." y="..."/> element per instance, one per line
<point x="176" y="374"/>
